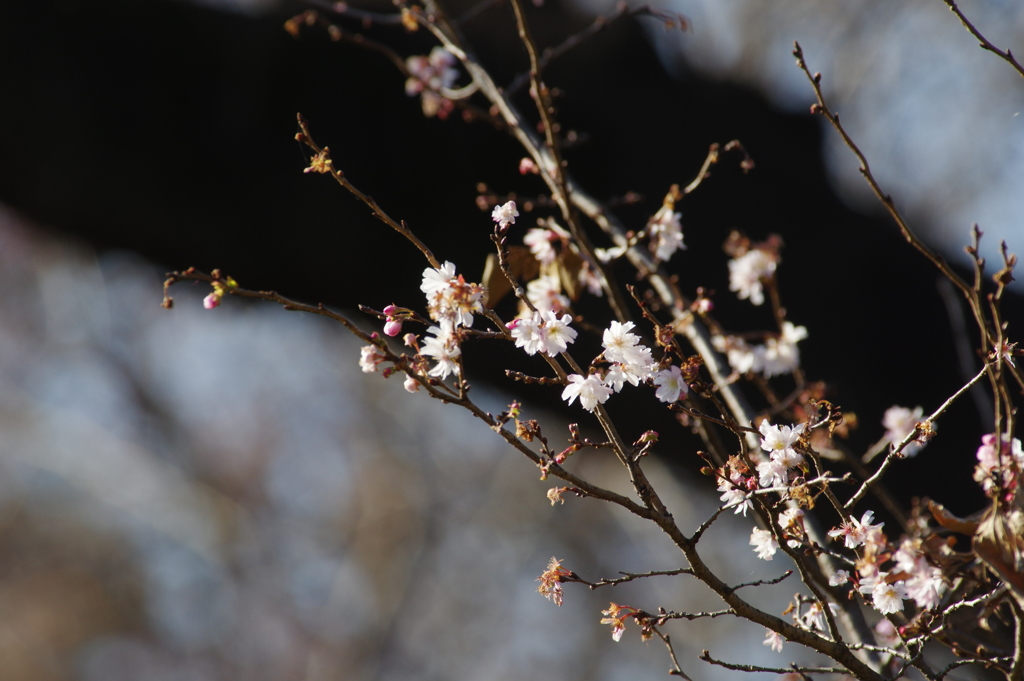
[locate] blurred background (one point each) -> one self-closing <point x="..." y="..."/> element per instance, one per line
<point x="190" y="494"/>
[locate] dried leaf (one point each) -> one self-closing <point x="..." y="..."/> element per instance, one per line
<point x="943" y="517"/>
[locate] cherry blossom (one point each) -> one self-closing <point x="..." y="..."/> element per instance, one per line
<point x="556" y="333"/>
<point x="1009" y="459"/>
<point x="774" y="639"/>
<point x="747" y="272"/>
<point x="619" y="374"/>
<point x="545" y="292"/>
<point x="428" y="77"/>
<point x="666" y="233"/>
<point x="624" y="347"/>
<point x="544" y="332"/>
<point x="670" y="384"/>
<point x="925" y="583"/>
<point x="444" y="348"/>
<point x="857" y="532"/>
<point x="840" y="578"/>
<point x="551" y="581"/>
<point x="505" y="215"/>
<point x="450" y="299"/>
<point x="888" y="598"/>
<point x="780" y="355"/>
<point x="814" y="618"/>
<point x="779" y="441"/>
<point x="764" y="543"/>
<point x="437" y="280"/>
<point x="371" y="356"/>
<point x="733" y="492"/>
<point x="541" y="241"/>
<point x="616" y="616"/>
<point x="900" y="422"/>
<point x="590" y="390"/>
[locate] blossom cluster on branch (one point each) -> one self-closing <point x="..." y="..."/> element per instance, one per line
<point x="768" y="432"/>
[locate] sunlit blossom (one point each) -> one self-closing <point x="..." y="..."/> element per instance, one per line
<point x="590" y="390"/>
<point x="671" y="384"/>
<point x="505" y="215"/>
<point x="764" y="543"/>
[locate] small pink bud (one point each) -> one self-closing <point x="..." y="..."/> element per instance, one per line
<point x="393" y="328"/>
<point x="513" y="324"/>
<point x="527" y="166"/>
<point x="410" y="340"/>
<point x="411" y="384"/>
<point x="390" y="310"/>
<point x="211" y="301"/>
<point x="704" y="306"/>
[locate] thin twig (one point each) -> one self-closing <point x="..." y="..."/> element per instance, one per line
<point x="629" y="577"/>
<point x="896" y="451"/>
<point x="322" y="163"/>
<point x="984" y="42"/>
<point x="865" y="169"/>
<point x="706" y="656"/>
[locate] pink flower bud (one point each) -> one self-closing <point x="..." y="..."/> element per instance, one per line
<point x="527" y="166"/>
<point x="411" y="384"/>
<point x="410" y="340"/>
<point x="211" y="301"/>
<point x="513" y="324"/>
<point x="393" y="327"/>
<point x="390" y="310"/>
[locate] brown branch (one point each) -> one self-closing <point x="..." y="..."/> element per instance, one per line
<point x="706" y="656"/>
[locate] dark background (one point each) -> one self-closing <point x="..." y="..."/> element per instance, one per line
<point x="168" y="129"/>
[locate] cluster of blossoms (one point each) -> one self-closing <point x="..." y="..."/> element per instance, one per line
<point x="543" y="331"/>
<point x="779" y="355"/>
<point x="748" y="271"/>
<point x="551" y="581"/>
<point x="666" y="232"/>
<point x="999" y="467"/>
<point x="631" y="362"/>
<point x="451" y="302"/>
<point x="887" y="592"/>
<point x="734" y="481"/>
<point x="428" y="77"/>
<point x="778" y="441"/>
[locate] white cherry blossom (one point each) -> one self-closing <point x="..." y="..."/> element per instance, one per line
<point x="590" y="390"/>
<point x="670" y="384"/>
<point x="747" y="272"/>
<point x="505" y="215"/>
